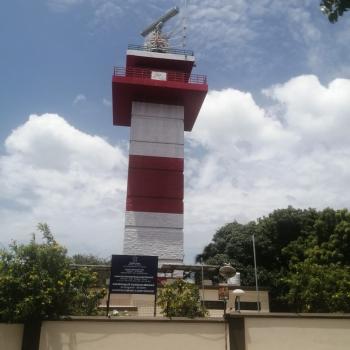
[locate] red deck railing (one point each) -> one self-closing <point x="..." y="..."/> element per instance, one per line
<point x="141" y="73"/>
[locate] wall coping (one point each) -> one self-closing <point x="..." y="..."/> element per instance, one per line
<point x="139" y="319"/>
<point x="233" y="287"/>
<point x="287" y="315"/>
<point x="231" y="315"/>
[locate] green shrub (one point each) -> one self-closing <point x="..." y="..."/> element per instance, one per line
<point x="180" y="299"/>
<point x="36" y="282"/>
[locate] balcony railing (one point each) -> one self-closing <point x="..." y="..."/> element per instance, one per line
<point x="163" y="50"/>
<point x="149" y="74"/>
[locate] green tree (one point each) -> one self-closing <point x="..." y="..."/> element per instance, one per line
<point x="318" y="288"/>
<point x="180" y="299"/>
<point x="334" y="8"/>
<point x="318" y="279"/>
<point x="233" y="243"/>
<point x="289" y="244"/>
<point x="36" y="282"/>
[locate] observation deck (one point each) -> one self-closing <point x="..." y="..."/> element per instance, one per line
<point x="158" y="77"/>
<point x="168" y="76"/>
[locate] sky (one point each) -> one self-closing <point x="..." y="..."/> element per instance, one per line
<point x="272" y="132"/>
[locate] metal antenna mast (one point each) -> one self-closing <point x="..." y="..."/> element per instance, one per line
<point x="184" y="28"/>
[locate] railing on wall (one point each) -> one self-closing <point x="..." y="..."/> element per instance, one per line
<point x="142" y="73"/>
<point x="163" y="50"/>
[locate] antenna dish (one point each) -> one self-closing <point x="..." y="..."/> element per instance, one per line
<point x="155" y="39"/>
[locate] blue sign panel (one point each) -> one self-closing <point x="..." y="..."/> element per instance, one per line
<point x="133" y="274"/>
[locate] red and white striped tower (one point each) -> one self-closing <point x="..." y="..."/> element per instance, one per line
<point x="158" y="97"/>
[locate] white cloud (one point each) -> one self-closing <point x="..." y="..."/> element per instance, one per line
<point x="279" y="36"/>
<point x="317" y="113"/>
<point x="103" y="11"/>
<point x="252" y="133"/>
<point x="106" y="102"/>
<point x="301" y="25"/>
<point x="267" y="38"/>
<point x="245" y="161"/>
<point x="57" y="174"/>
<point x="107" y="12"/>
<point x="79" y="98"/>
<point x="242" y="161"/>
<point x="62" y="5"/>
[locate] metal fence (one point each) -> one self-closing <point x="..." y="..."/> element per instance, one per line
<point x="163" y="50"/>
<point x="146" y="74"/>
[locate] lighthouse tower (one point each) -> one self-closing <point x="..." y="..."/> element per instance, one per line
<point x="158" y="97"/>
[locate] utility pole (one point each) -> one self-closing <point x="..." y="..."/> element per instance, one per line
<point x="256" y="276"/>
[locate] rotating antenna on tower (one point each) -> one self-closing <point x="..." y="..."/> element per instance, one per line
<point x="155" y="40"/>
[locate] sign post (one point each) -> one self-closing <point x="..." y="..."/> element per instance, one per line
<point x="133" y="274"/>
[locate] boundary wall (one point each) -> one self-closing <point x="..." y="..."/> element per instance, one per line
<point x="248" y="331"/>
<point x="276" y="331"/>
<point x="11" y="336"/>
<point x="145" y="334"/>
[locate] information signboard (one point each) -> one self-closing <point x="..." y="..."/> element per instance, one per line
<point x="223" y="292"/>
<point x="155" y="75"/>
<point x="133" y="274"/>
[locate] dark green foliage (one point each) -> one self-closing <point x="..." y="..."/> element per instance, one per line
<point x="36" y="282"/>
<point x="100" y="266"/>
<point x="180" y="299"/>
<point x="334" y="8"/>
<point x="318" y="288"/>
<point x="295" y="249"/>
<point x="89" y="259"/>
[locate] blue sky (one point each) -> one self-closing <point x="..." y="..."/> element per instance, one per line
<point x="272" y="132"/>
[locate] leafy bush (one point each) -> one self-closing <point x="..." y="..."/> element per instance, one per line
<point x="36" y="282"/>
<point x="180" y="299"/>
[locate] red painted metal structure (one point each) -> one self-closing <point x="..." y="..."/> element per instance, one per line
<point x="134" y="83"/>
